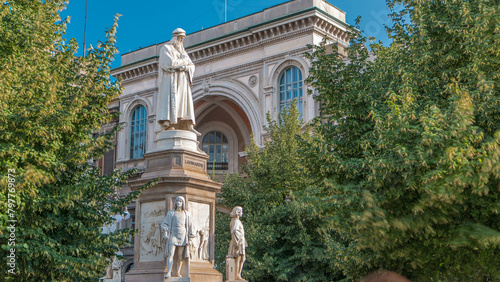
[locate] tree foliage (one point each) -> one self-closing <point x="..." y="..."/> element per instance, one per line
<point x="51" y="103"/>
<point x="410" y="146"/>
<point x="287" y="240"/>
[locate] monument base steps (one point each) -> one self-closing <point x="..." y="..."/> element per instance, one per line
<point x="204" y="272"/>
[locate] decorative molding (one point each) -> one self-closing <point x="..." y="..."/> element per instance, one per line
<point x="151" y="118"/>
<point x="213" y="55"/>
<point x="123" y="125"/>
<point x="248" y="65"/>
<point x="138" y="73"/>
<point x="288" y="63"/>
<point x="252" y="81"/>
<point x="235" y="92"/>
<point x="140" y="93"/>
<point x="131" y="106"/>
<point x="232" y="139"/>
<point x="141" y="77"/>
<point x="314" y="22"/>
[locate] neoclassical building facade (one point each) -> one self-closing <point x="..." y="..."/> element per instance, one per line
<point x="245" y="68"/>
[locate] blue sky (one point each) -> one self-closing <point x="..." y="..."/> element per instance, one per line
<point x="148" y="22"/>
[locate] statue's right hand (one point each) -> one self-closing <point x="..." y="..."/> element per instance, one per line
<point x="165" y="235"/>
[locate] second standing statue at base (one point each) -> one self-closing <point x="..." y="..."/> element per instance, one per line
<point x="238" y="243"/>
<point x="178" y="230"/>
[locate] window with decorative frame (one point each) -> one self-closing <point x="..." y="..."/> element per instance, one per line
<point x="290" y="89"/>
<point x="216" y="146"/>
<point x="138" y="132"/>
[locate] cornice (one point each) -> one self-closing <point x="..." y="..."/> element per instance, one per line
<point x="140" y="93"/>
<point x="253" y="46"/>
<point x="133" y="72"/>
<point x="267" y="35"/>
<point x="253" y="28"/>
<point x="136" y="77"/>
<point x="318" y="22"/>
<point x="249" y="65"/>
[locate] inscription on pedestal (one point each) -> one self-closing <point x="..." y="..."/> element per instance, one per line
<point x="194" y="163"/>
<point x="152" y="244"/>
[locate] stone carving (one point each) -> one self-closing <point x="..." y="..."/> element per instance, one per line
<point x="252" y="81"/>
<point x="201" y="225"/>
<point x="178" y="231"/>
<point x="117" y="263"/>
<point x="113" y="271"/>
<point x="237" y="246"/>
<point x="152" y="244"/>
<point x="203" y="246"/>
<point x="175" y="108"/>
<point x="155" y="213"/>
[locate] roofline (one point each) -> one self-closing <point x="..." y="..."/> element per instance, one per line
<point x="268" y="22"/>
<point x="133" y="63"/>
<point x="263" y="11"/>
<point x="254" y="26"/>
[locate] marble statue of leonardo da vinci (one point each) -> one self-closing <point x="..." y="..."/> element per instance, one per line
<point x="175" y="108"/>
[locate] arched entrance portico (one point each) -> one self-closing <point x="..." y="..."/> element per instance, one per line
<point x="227" y="112"/>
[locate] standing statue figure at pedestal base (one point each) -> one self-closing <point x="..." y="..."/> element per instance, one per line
<point x="237" y="247"/>
<point x="175" y="110"/>
<point x="178" y="230"/>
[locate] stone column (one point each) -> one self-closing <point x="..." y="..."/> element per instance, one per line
<point x="181" y="172"/>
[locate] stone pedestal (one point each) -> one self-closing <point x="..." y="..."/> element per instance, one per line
<point x="177" y="279"/>
<point x="176" y="140"/>
<point x="180" y="172"/>
<point x="231" y="270"/>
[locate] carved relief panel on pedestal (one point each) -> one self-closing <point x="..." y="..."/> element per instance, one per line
<point x="199" y="249"/>
<point x="152" y="244"/>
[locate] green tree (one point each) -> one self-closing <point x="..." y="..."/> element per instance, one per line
<point x="411" y="142"/>
<point x="286" y="238"/>
<point x="51" y="101"/>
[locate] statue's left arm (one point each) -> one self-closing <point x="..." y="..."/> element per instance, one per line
<point x="190" y="70"/>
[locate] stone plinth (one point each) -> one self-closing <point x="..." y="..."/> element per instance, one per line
<point x="183" y="173"/>
<point x="204" y="271"/>
<point x="176" y="140"/>
<point x="230" y="270"/>
<point x="177" y="279"/>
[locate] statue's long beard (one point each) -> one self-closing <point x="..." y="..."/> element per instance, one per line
<point x="178" y="46"/>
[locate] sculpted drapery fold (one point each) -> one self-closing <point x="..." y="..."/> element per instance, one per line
<point x="175" y="100"/>
<point x="178" y="233"/>
<point x="177" y="227"/>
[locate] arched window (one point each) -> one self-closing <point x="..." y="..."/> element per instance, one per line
<point x="290" y="88"/>
<point x="216" y="146"/>
<point x="138" y="133"/>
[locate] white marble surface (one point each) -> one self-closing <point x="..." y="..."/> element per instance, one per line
<point x="175" y="76"/>
<point x="176" y="139"/>
<point x="152" y="244"/>
<point x="199" y="251"/>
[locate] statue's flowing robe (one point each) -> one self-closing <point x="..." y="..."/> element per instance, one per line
<point x="238" y="242"/>
<point x="179" y="228"/>
<point x="174" y="100"/>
